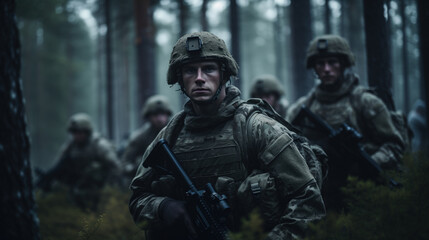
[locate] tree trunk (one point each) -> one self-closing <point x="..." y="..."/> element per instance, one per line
<point x="423" y="21"/>
<point x="204" y="22"/>
<point x="379" y="71"/>
<point x="183" y="16"/>
<point x="328" y="29"/>
<point x="18" y="216"/>
<point x="404" y="56"/>
<point x="278" y="43"/>
<point x="352" y="30"/>
<point x="109" y="71"/>
<point x="145" y="43"/>
<point x="301" y="36"/>
<point x="234" y="24"/>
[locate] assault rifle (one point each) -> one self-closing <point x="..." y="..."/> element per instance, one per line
<point x="208" y="209"/>
<point x="345" y="144"/>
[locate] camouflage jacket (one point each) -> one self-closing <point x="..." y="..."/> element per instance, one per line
<point x="363" y="111"/>
<point x="86" y="167"/>
<point x="139" y="141"/>
<point x="232" y="144"/>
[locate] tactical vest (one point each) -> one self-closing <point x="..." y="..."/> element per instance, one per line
<point x="207" y="154"/>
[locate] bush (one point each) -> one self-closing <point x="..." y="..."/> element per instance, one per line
<point x="379" y="212"/>
<point x="61" y="219"/>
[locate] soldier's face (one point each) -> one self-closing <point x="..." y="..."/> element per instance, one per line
<point x="328" y="69"/>
<point x="271" y="99"/>
<point x="158" y="120"/>
<point x="201" y="79"/>
<point x="79" y="137"/>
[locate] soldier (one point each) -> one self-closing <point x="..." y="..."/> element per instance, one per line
<point x="338" y="99"/>
<point x="417" y="123"/>
<point x="222" y="140"/>
<point x="268" y="88"/>
<point x="156" y="112"/>
<point x="85" y="165"/>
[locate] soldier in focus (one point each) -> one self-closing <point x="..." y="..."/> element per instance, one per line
<point x="86" y="164"/>
<point x="337" y="99"/>
<point x="156" y="112"/>
<point x="232" y="144"/>
<point x="268" y="88"/>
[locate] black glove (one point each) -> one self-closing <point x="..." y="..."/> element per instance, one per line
<point x="173" y="213"/>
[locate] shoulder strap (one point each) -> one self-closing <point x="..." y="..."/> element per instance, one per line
<point x="265" y="108"/>
<point x="176" y="124"/>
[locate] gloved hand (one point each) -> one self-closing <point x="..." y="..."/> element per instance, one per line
<point x="174" y="213"/>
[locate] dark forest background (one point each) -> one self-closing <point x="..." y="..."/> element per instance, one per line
<point x="106" y="57"/>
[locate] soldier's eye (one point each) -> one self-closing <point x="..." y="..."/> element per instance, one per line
<point x="333" y="62"/>
<point x="320" y="63"/>
<point x="189" y="70"/>
<point x="209" y="68"/>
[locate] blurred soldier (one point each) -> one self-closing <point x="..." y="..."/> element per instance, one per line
<point x="85" y="165"/>
<point x="417" y="123"/>
<point x="156" y="112"/>
<point x="268" y="88"/>
<point x="338" y="99"/>
<point x="232" y="144"/>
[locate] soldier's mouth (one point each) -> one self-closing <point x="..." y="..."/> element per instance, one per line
<point x="200" y="90"/>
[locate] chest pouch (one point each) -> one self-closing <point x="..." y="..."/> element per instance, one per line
<point x="258" y="190"/>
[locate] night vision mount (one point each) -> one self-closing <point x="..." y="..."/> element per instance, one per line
<point x="322" y="45"/>
<point x="194" y="44"/>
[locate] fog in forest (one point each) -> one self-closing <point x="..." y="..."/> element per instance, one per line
<point x="73" y="49"/>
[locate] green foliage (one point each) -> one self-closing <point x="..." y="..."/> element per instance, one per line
<point x="252" y="228"/>
<point x="379" y="212"/>
<point x="61" y="219"/>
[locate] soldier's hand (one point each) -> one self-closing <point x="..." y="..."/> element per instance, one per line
<point x="174" y="212"/>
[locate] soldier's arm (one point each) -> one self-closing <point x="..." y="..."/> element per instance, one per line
<point x="107" y="155"/>
<point x="144" y="203"/>
<point x="278" y="154"/>
<point x="385" y="144"/>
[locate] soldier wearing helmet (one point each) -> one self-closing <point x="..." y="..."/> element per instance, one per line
<point x="268" y="88"/>
<point x="337" y="99"/>
<point x="86" y="163"/>
<point x="222" y="140"/>
<point x="156" y="112"/>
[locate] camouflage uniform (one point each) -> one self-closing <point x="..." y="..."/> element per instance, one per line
<point x="268" y="84"/>
<point x="85" y="168"/>
<point x="351" y="104"/>
<point x="141" y="138"/>
<point x="228" y="147"/>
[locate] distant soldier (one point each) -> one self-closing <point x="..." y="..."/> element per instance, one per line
<point x="417" y="123"/>
<point x="156" y="112"/>
<point x="268" y="88"/>
<point x="85" y="165"/>
<point x="338" y="99"/>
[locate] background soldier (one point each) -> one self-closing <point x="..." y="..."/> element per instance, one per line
<point x="85" y="165"/>
<point x="339" y="99"/>
<point x="417" y="123"/>
<point x="156" y="112"/>
<point x="268" y="88"/>
<point x="220" y="139"/>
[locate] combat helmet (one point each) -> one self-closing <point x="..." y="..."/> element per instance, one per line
<point x="196" y="47"/>
<point x="329" y="45"/>
<point x="156" y="104"/>
<point x="266" y="84"/>
<point x="80" y="122"/>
